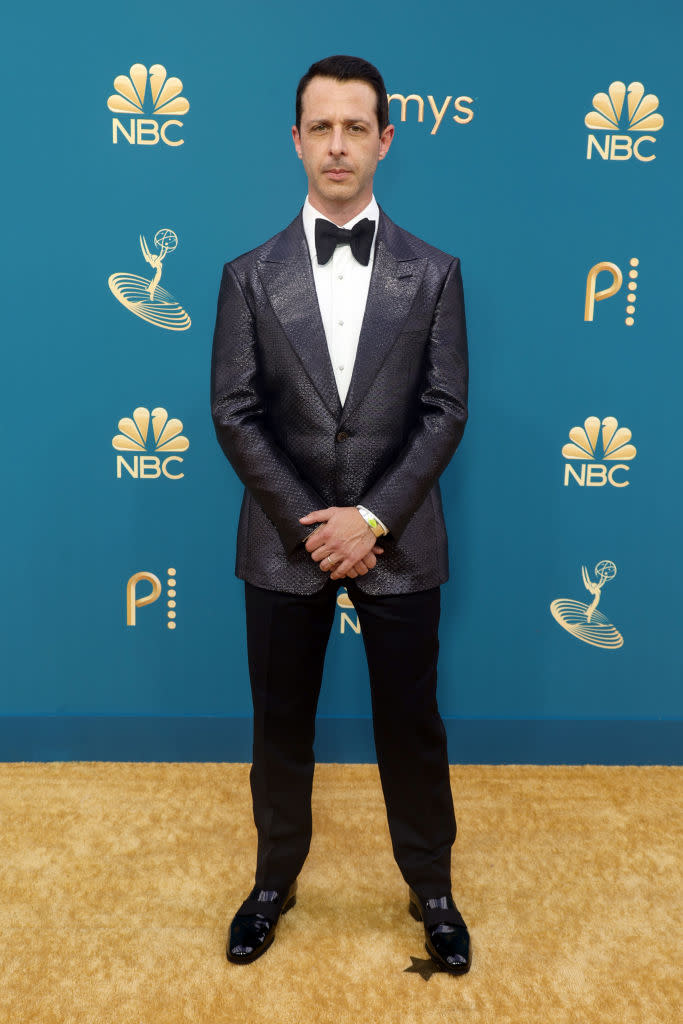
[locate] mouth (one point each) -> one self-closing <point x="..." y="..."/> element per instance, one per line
<point x="337" y="173"/>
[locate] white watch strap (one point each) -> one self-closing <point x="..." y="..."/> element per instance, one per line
<point x="375" y="524"/>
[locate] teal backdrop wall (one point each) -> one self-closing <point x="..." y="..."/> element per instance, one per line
<point x="502" y="171"/>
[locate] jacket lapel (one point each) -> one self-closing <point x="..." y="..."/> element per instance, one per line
<point x="396" y="275"/>
<point x="287" y="277"/>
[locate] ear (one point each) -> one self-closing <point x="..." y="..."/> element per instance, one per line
<point x="385" y="140"/>
<point x="297" y="141"/>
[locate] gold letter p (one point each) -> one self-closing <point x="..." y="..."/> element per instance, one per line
<point x="133" y="602"/>
<point x="591" y="295"/>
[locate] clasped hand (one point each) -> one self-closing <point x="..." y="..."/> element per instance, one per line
<point x="343" y="544"/>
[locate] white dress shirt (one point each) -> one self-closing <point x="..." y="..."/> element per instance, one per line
<point x="342" y="288"/>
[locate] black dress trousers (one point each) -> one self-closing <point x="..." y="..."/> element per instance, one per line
<point x="287" y="636"/>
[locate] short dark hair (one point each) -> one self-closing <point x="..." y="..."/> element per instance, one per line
<point x="345" y="69"/>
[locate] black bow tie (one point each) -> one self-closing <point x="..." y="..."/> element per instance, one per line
<point x="328" y="236"/>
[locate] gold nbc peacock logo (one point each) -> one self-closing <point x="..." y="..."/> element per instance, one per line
<point x="166" y="438"/>
<point x="164" y="91"/>
<point x="608" y="107"/>
<point x="612" y="115"/>
<point x="584" y="443"/>
<point x="615" y="440"/>
<point x="166" y="433"/>
<point x="152" y="101"/>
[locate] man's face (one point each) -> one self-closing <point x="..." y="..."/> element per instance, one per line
<point x="339" y="141"/>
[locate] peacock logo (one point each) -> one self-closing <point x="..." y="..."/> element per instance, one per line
<point x="166" y="437"/>
<point x="637" y="115"/>
<point x="147" y="95"/>
<point x="584" y="446"/>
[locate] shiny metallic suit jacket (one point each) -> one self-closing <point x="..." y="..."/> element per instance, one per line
<point x="279" y="420"/>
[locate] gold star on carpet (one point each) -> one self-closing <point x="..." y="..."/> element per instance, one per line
<point x="425" y="968"/>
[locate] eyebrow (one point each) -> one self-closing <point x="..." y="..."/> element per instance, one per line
<point x="347" y="120"/>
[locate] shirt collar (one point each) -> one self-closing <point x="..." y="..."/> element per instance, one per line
<point x="310" y="214"/>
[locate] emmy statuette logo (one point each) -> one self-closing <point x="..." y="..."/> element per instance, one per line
<point x="345" y="603"/>
<point x="584" y="621"/>
<point x="583" y="447"/>
<point x="463" y="111"/>
<point x="166" y="437"/>
<point x="135" y="601"/>
<point x="609" y="115"/>
<point x="144" y="296"/>
<point x="593" y="294"/>
<point x="164" y="99"/>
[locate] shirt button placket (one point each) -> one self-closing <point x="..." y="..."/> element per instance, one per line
<point x="334" y="311"/>
<point x="341" y="260"/>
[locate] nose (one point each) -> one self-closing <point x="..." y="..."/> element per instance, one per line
<point x="337" y="140"/>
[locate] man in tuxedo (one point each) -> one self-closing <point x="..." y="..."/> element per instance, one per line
<point x="339" y="395"/>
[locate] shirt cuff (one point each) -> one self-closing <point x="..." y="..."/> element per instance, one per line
<point x="375" y="524"/>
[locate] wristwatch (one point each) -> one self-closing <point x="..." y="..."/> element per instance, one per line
<point x="375" y="524"/>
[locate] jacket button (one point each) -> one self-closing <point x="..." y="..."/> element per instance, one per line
<point x="342" y="435"/>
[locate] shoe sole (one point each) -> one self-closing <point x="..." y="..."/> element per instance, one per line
<point x="417" y="914"/>
<point x="250" y="957"/>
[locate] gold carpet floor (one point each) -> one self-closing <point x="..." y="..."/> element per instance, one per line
<point x="119" y="882"/>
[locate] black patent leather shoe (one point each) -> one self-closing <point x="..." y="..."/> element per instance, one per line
<point x="253" y="927"/>
<point x="446" y="934"/>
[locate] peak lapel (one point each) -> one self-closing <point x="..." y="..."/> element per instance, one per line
<point x="287" y="277"/>
<point x="396" y="275"/>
